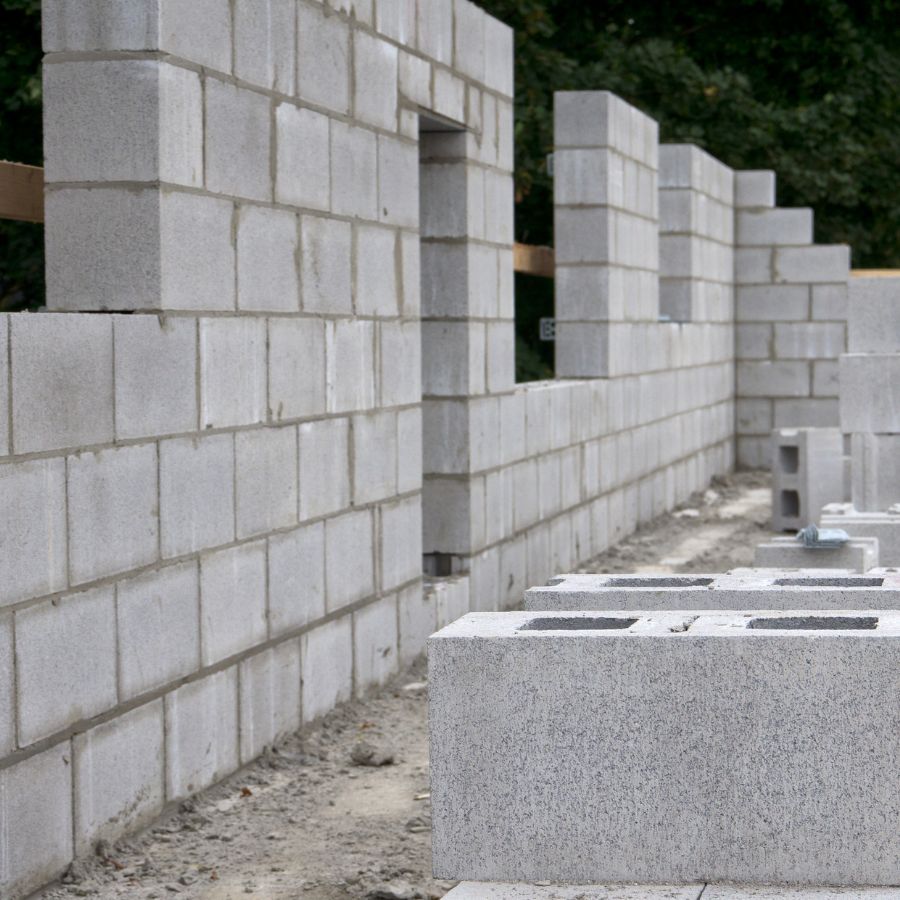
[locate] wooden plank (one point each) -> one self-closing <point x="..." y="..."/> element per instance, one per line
<point x="531" y="260"/>
<point x="875" y="273"/>
<point x="21" y="192"/>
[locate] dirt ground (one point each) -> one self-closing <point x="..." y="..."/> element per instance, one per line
<point x="306" y="821"/>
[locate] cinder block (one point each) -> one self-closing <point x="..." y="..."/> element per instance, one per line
<point x="825" y="378"/>
<point x="296" y="368"/>
<point x="528" y="785"/>
<point x="807" y="413"/>
<point x="869" y="392"/>
<point x="416" y="617"/>
<point x="482" y="890"/>
<point x="7" y="687"/>
<point x="398" y="182"/>
<point x="361" y="10"/>
<point x="267" y="247"/>
<point x="455" y="354"/>
<point x="113" y="511"/>
<point x="750" y="589"/>
<point x="469" y="47"/>
<point x="158" y="626"/>
<point x="776" y="378"/>
<point x="119" y="776"/>
<point x="265" y="35"/>
<point x="754" y="341"/>
<point x="829" y="301"/>
<point x="265" y="480"/>
<point x="62" y="381"/>
<point x="759" y="228"/>
<point x="375" y="656"/>
<point x="374" y="80"/>
<point x="816" y="264"/>
<point x="36" y="795"/>
<point x="232" y="372"/>
<point x="201" y="733"/>
<point x="349" y="559"/>
<point x="122" y="120"/>
<point x="401" y="542"/>
<point x="236" y="145"/>
<point x="302" y="167"/>
<point x="873" y="315"/>
<point x="324" y="467"/>
<point x="400" y="350"/>
<point x="326" y="265"/>
<point x="197" y="30"/>
<point x="858" y="555"/>
<point x="885" y="526"/>
<point x="754" y="189"/>
<point x="397" y="19"/>
<point x="452" y="203"/>
<point x="809" y="340"/>
<point x="767" y="303"/>
<point x="753" y="416"/>
<point x="326" y="655"/>
<point x="409" y="450"/>
<point x="414" y="73"/>
<point x="32" y="529"/>
<point x="375" y="285"/>
<point x="65" y="662"/>
<point x="232" y="601"/>
<point x="354" y="171"/>
<point x="99" y="25"/>
<point x="411" y="273"/>
<point x="875" y="470"/>
<point x="4" y="383"/>
<point x="155" y="375"/>
<point x="323" y="58"/>
<point x="374" y="457"/>
<point x="436" y="31"/>
<point x="196" y="493"/>
<point x="296" y="578"/>
<point x="350" y="361"/>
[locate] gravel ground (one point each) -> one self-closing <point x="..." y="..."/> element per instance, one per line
<point x="318" y="818"/>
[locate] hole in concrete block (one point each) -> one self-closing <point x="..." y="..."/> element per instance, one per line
<point x="789" y="459"/>
<point x="829" y="582"/>
<point x="817" y="623"/>
<point x="790" y="503"/>
<point x="561" y="623"/>
<point x="674" y="582"/>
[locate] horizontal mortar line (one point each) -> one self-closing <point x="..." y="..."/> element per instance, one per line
<point x="643" y="163"/>
<point x="196" y="556"/>
<point x="428" y="159"/>
<point x="261" y="315"/>
<point x="624" y="210"/>
<point x="474" y="320"/>
<point x="693" y="190"/>
<point x="698" y="236"/>
<point x="606" y="494"/>
<point x="462" y="240"/>
<point x="120" y="709"/>
<point x="602" y="264"/>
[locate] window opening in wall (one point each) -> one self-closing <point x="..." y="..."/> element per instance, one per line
<point x="534" y="328"/>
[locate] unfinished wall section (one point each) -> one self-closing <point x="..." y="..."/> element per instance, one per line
<point x="791" y="319"/>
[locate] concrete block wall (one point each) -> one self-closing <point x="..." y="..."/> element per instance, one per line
<point x="791" y="318"/>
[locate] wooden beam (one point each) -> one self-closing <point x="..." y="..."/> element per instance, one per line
<point x="21" y="192"/>
<point x="875" y="273"/>
<point x="531" y="260"/>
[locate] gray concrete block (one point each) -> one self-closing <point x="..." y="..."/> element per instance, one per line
<point x="859" y="555"/>
<point x="324" y="467"/>
<point x="768" y="303"/>
<point x="326" y="655"/>
<point x="265" y="35"/>
<point x="809" y="340"/>
<point x="400" y="366"/>
<point x="409" y="450"/>
<point x="4" y="383"/>
<point x="754" y="188"/>
<point x="534" y="779"/>
<point x="885" y="526"/>
<point x="36" y="795"/>
<point x="396" y="19"/>
<point x="374" y="81"/>
<point x="869" y="399"/>
<point x="296" y="578"/>
<point x="265" y="480"/>
<point x="354" y="171"/>
<point x="155" y="375"/>
<point x="32" y="529"/>
<point x="201" y="733"/>
<point x="375" y="282"/>
<point x="326" y="267"/>
<point x="237" y="141"/>
<point x="99" y="25"/>
<point x="350" y="360"/>
<point x="759" y="228"/>
<point x="471" y="890"/>
<point x="323" y="58"/>
<point x="113" y="511"/>
<point x="875" y="465"/>
<point x="62" y="381"/>
<point x="816" y="264"/>
<point x="436" y="31"/>
<point x="873" y="315"/>
<point x="401" y="542"/>
<point x="158" y="627"/>
<point x="232" y="372"/>
<point x="349" y="559"/>
<point x="302" y="168"/>
<point x="65" y="662"/>
<point x="119" y="776"/>
<point x="232" y="601"/>
<point x="825" y="378"/>
<point x="267" y="271"/>
<point x="7" y="687"/>
<point x="469" y="44"/>
<point x="374" y="457"/>
<point x="776" y="378"/>
<point x="829" y="301"/>
<point x="806" y="413"/>
<point x="416" y="617"/>
<point x="196" y="493"/>
<point x="375" y="656"/>
<point x="296" y="368"/>
<point x="197" y="30"/>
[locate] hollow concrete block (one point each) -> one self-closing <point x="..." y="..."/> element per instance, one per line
<point x="859" y="554"/>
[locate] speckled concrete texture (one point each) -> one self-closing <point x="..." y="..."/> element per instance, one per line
<point x="679" y="748"/>
<point x="746" y="589"/>
<point x="471" y="890"/>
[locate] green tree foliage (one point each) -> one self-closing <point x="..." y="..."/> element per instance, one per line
<point x="809" y="88"/>
<point x="21" y="244"/>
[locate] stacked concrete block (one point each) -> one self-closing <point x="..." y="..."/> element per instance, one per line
<point x="858" y="555"/>
<point x="885" y="526"/>
<point x="606" y="202"/>
<point x="696" y="222"/>
<point x="807" y="473"/>
<point x="791" y="299"/>
<point x="536" y="720"/>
